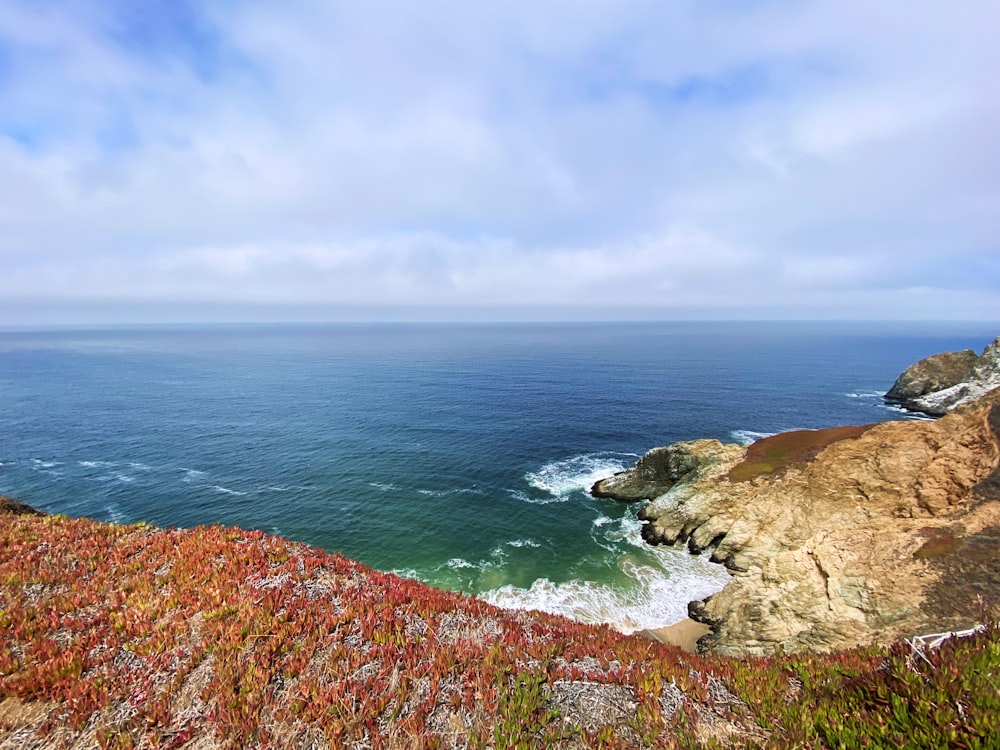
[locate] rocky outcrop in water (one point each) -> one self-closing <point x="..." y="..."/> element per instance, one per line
<point x="839" y="537"/>
<point x="940" y="383"/>
<point x="662" y="468"/>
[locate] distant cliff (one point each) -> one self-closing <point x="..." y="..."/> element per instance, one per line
<point x="835" y="537"/>
<point x="942" y="382"/>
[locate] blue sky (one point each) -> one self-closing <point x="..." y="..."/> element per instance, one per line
<point x="593" y="159"/>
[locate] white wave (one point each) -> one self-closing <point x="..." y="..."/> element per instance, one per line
<point x="602" y="521"/>
<point x="911" y="415"/>
<point x="745" y="437"/>
<point x="139" y="466"/>
<point x="449" y="493"/>
<point x="384" y="486"/>
<point x="524" y="497"/>
<point x="655" y="598"/>
<point x="96" y="464"/>
<point x="865" y="394"/>
<point x="39" y="464"/>
<point x="458" y="563"/>
<point x="406" y="573"/>
<point x="120" y="476"/>
<point x="114" y="514"/>
<point x="524" y="543"/>
<point x="227" y="491"/>
<point x="192" y="474"/>
<point x="577" y="474"/>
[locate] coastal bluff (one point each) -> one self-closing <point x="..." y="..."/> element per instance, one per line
<point x="942" y="382"/>
<point x="837" y="537"/>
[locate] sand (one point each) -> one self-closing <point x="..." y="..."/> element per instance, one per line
<point x="684" y="634"/>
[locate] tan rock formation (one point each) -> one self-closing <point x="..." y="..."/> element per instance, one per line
<point x="943" y="382"/>
<point x="846" y="536"/>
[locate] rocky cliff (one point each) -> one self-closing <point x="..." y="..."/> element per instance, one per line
<point x="942" y="382"/>
<point x="835" y="537"/>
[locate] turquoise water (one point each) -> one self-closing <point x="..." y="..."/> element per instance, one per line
<point x="457" y="454"/>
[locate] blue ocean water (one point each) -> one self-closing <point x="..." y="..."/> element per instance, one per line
<point x="458" y="454"/>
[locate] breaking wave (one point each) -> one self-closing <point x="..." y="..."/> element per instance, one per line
<point x="560" y="479"/>
<point x="745" y="437"/>
<point x="655" y="598"/>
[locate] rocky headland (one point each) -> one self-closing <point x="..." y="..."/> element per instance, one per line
<point x="940" y="383"/>
<point x="845" y="536"/>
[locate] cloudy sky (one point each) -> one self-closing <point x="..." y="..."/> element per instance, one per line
<point x="315" y="159"/>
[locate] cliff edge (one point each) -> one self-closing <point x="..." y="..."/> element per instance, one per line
<point x="838" y="537"/>
<point x="942" y="382"/>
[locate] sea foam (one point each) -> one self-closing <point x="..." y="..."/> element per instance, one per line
<point x="657" y="585"/>
<point x="560" y="479"/>
<point x="745" y="437"/>
<point x="655" y="597"/>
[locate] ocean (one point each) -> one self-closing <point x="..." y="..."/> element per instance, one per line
<point x="458" y="454"/>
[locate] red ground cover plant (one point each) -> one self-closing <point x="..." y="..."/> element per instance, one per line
<point x="131" y="636"/>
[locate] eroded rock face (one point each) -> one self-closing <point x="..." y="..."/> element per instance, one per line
<point x="661" y="468"/>
<point x="940" y="383"/>
<point x="859" y="539"/>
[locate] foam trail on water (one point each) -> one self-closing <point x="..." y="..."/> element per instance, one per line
<point x="911" y="415"/>
<point x="560" y="479"/>
<point x="457" y="563"/>
<point x="227" y="491"/>
<point x="524" y="543"/>
<point x="449" y="493"/>
<point x="524" y="497"/>
<point x="745" y="437"/>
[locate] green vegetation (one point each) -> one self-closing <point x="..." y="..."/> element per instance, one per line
<point x="774" y="454"/>
<point x="130" y="636"/>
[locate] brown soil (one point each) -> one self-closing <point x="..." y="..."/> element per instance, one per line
<point x="969" y="583"/>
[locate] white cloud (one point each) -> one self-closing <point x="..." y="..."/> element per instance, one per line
<point x="503" y="153"/>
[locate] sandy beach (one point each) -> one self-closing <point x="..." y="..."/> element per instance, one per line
<point x="684" y="634"/>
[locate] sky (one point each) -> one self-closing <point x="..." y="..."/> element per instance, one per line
<point x="175" y="160"/>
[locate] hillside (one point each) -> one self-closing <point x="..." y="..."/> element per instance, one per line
<point x="132" y="636"/>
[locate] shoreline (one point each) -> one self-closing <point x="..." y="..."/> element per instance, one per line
<point x="684" y="634"/>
